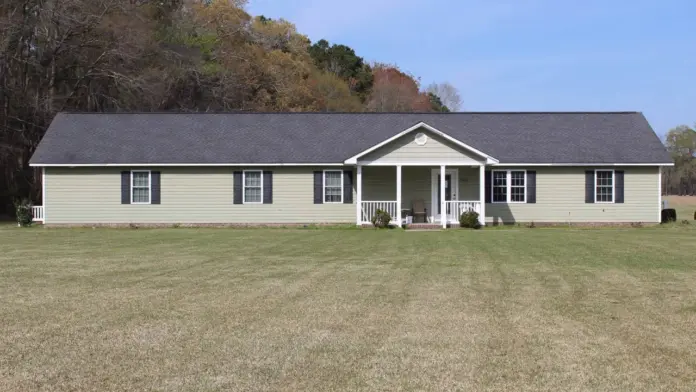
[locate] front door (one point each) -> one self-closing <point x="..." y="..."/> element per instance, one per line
<point x="448" y="189"/>
<point x="451" y="190"/>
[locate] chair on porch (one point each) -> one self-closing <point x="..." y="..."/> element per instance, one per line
<point x="419" y="210"/>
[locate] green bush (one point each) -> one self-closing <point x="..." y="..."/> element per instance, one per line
<point x="381" y="219"/>
<point x="23" y="212"/>
<point x="470" y="220"/>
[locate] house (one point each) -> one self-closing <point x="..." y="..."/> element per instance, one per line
<point x="303" y="168"/>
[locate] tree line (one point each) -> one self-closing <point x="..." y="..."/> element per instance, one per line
<point x="681" y="178"/>
<point x="173" y="55"/>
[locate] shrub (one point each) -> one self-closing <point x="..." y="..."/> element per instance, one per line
<point x="669" y="215"/>
<point x="133" y="226"/>
<point x="470" y="220"/>
<point x="685" y="222"/>
<point x="531" y="225"/>
<point x="23" y="212"/>
<point x="381" y="219"/>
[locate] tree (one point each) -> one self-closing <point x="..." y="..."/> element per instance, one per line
<point x="396" y="91"/>
<point x="331" y="94"/>
<point x="436" y="104"/>
<point x="342" y="61"/>
<point x="447" y="94"/>
<point x="681" y="179"/>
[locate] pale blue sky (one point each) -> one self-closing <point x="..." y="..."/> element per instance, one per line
<point x="524" y="55"/>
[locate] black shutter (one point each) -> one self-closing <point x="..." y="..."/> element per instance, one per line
<point x="237" y="187"/>
<point x="488" y="186"/>
<point x="267" y="187"/>
<point x="619" y="186"/>
<point x="155" y="187"/>
<point x="125" y="187"/>
<point x="531" y="186"/>
<point x="318" y="187"/>
<point x="348" y="187"/>
<point x="589" y="186"/>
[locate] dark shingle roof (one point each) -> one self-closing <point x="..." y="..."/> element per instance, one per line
<point x="122" y="138"/>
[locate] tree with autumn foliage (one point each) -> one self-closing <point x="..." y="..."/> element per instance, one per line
<point x="396" y="91"/>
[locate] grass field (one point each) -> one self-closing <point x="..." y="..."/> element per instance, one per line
<point x="685" y="206"/>
<point x="332" y="310"/>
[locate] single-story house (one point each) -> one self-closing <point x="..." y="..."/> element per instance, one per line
<point x="305" y="168"/>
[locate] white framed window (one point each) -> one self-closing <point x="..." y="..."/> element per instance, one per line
<point x="141" y="187"/>
<point x="499" y="186"/>
<point x="333" y="186"/>
<point x="253" y="187"/>
<point x="604" y="186"/>
<point x="509" y="186"/>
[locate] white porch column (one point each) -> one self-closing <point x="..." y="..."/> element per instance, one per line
<point x="358" y="204"/>
<point x="43" y="192"/>
<point x="482" y="194"/>
<point x="398" y="195"/>
<point x="443" y="205"/>
<point x="659" y="194"/>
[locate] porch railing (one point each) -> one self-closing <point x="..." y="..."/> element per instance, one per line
<point x="37" y="213"/>
<point x="455" y="208"/>
<point x="369" y="209"/>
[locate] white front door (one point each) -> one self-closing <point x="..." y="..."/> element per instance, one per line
<point x="451" y="191"/>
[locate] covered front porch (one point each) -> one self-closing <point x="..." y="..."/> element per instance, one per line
<point x="415" y="194"/>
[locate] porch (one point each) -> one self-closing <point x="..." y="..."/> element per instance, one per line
<point x="398" y="189"/>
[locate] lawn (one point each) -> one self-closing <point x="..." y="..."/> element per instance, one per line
<point x="331" y="310"/>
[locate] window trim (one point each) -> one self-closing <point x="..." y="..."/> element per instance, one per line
<point x="613" y="186"/>
<point x="323" y="186"/>
<point x="149" y="186"/>
<point x="244" y="186"/>
<point x="508" y="186"/>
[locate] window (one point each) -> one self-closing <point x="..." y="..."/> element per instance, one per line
<point x="333" y="186"/>
<point x="517" y="186"/>
<point x="509" y="186"/>
<point x="604" y="186"/>
<point x="253" y="187"/>
<point x="140" y="187"/>
<point x="499" y="187"/>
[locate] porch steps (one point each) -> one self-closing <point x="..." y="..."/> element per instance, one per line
<point x="423" y="227"/>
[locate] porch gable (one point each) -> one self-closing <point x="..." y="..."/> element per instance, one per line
<point x="421" y="144"/>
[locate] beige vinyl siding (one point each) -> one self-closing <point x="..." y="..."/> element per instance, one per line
<point x="436" y="150"/>
<point x="189" y="195"/>
<point x="561" y="198"/>
<point x="469" y="180"/>
<point x="379" y="183"/>
<point x="415" y="184"/>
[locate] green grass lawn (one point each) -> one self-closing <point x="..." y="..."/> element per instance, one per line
<point x="331" y="310"/>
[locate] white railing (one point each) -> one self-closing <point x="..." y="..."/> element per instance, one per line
<point x="455" y="208"/>
<point x="37" y="212"/>
<point x="369" y="209"/>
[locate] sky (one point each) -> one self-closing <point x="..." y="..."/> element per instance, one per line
<point x="524" y="55"/>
